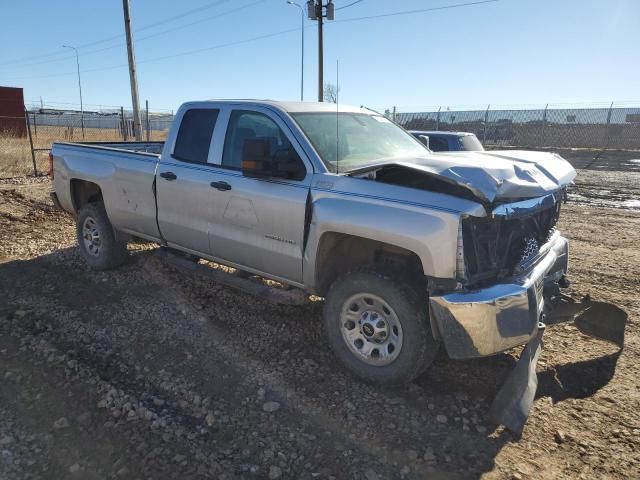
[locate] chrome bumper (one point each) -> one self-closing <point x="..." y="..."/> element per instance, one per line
<point x="491" y="320"/>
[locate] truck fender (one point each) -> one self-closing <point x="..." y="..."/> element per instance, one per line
<point x="430" y="235"/>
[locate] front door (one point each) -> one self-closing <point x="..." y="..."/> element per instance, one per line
<point x="260" y="223"/>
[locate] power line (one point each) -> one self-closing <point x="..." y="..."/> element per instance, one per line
<point x="120" y="36"/>
<point x="410" y="12"/>
<point x="262" y="37"/>
<point x="181" y="54"/>
<point x="180" y="27"/>
<point x="140" y="39"/>
<point x="349" y="5"/>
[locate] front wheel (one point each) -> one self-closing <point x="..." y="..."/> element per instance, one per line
<point x="379" y="328"/>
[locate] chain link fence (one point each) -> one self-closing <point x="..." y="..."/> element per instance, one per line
<point x="598" y="128"/>
<point x="25" y="151"/>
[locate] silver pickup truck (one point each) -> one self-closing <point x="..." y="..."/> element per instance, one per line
<point x="411" y="250"/>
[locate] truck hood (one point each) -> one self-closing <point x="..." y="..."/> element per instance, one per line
<point x="493" y="175"/>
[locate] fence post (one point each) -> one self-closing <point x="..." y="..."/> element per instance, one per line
<point x="544" y="124"/>
<point x="486" y="120"/>
<point x="33" y="154"/>
<point x="122" y="125"/>
<point x="438" y="119"/>
<point x="393" y="117"/>
<point x="147" y="118"/>
<point x="608" y="129"/>
<point x="35" y="125"/>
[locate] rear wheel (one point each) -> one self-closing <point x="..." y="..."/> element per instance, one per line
<point x="378" y="327"/>
<point x="97" y="240"/>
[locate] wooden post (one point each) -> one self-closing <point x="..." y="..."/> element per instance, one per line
<point x="133" y="75"/>
<point x="33" y="154"/>
<point x="123" y="125"/>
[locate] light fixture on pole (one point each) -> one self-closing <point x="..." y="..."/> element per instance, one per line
<point x="79" y="86"/>
<point x="290" y="2"/>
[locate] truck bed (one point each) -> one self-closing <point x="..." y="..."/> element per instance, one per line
<point x="130" y="168"/>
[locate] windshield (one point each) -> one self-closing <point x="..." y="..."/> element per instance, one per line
<point x="362" y="138"/>
<point x="471" y="143"/>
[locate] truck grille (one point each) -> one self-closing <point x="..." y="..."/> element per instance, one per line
<point x="495" y="248"/>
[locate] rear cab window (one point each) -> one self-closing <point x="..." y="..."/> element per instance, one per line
<point x="194" y="135"/>
<point x="438" y="144"/>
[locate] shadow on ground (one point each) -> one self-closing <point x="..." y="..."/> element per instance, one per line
<point x="341" y="418"/>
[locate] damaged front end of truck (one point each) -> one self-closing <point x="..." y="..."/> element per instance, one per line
<point x="512" y="263"/>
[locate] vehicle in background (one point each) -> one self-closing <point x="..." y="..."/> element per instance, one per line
<point x="439" y="141"/>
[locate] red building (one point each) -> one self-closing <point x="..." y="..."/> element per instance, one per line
<point x="12" y="119"/>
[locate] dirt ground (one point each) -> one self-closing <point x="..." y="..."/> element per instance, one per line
<point x="144" y="372"/>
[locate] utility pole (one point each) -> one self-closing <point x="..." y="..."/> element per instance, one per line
<point x="317" y="11"/>
<point x="132" y="71"/>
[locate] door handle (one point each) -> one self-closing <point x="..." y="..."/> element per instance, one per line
<point x="223" y="186"/>
<point x="168" y="175"/>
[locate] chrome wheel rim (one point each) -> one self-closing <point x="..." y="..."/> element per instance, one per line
<point x="371" y="329"/>
<point x="91" y="237"/>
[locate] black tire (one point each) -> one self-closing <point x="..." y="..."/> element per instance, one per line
<point x="418" y="349"/>
<point x="110" y="252"/>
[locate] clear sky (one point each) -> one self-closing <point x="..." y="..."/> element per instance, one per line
<point x="506" y="52"/>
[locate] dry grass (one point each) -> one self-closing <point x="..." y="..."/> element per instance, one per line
<point x="15" y="152"/>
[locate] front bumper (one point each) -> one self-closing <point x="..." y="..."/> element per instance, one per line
<point x="494" y="319"/>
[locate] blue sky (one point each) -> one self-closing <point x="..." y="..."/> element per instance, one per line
<point x="502" y="53"/>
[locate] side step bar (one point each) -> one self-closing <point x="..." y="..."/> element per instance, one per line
<point x="294" y="296"/>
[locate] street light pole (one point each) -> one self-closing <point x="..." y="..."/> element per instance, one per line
<point x="79" y="87"/>
<point x="290" y="2"/>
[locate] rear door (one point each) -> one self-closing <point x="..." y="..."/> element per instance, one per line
<point x="259" y="222"/>
<point x="183" y="180"/>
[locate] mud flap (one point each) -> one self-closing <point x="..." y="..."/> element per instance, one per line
<point x="513" y="402"/>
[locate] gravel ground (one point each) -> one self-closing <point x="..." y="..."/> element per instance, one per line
<point x="144" y="372"/>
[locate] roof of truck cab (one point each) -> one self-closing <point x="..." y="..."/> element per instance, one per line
<point x="295" y="107"/>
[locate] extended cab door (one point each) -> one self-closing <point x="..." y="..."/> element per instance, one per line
<point x="259" y="223"/>
<point x="183" y="190"/>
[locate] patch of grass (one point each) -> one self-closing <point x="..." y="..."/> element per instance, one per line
<point x="15" y="152"/>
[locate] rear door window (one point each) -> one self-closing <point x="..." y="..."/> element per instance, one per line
<point x="194" y="135"/>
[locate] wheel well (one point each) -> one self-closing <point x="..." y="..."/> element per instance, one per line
<point x="339" y="253"/>
<point x="83" y="192"/>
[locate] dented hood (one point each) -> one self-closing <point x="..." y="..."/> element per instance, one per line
<point x="496" y="175"/>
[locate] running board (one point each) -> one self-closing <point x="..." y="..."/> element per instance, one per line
<point x="294" y="296"/>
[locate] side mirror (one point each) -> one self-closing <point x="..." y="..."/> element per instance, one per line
<point x="257" y="161"/>
<point x="256" y="158"/>
<point x="286" y="164"/>
<point x="425" y="140"/>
